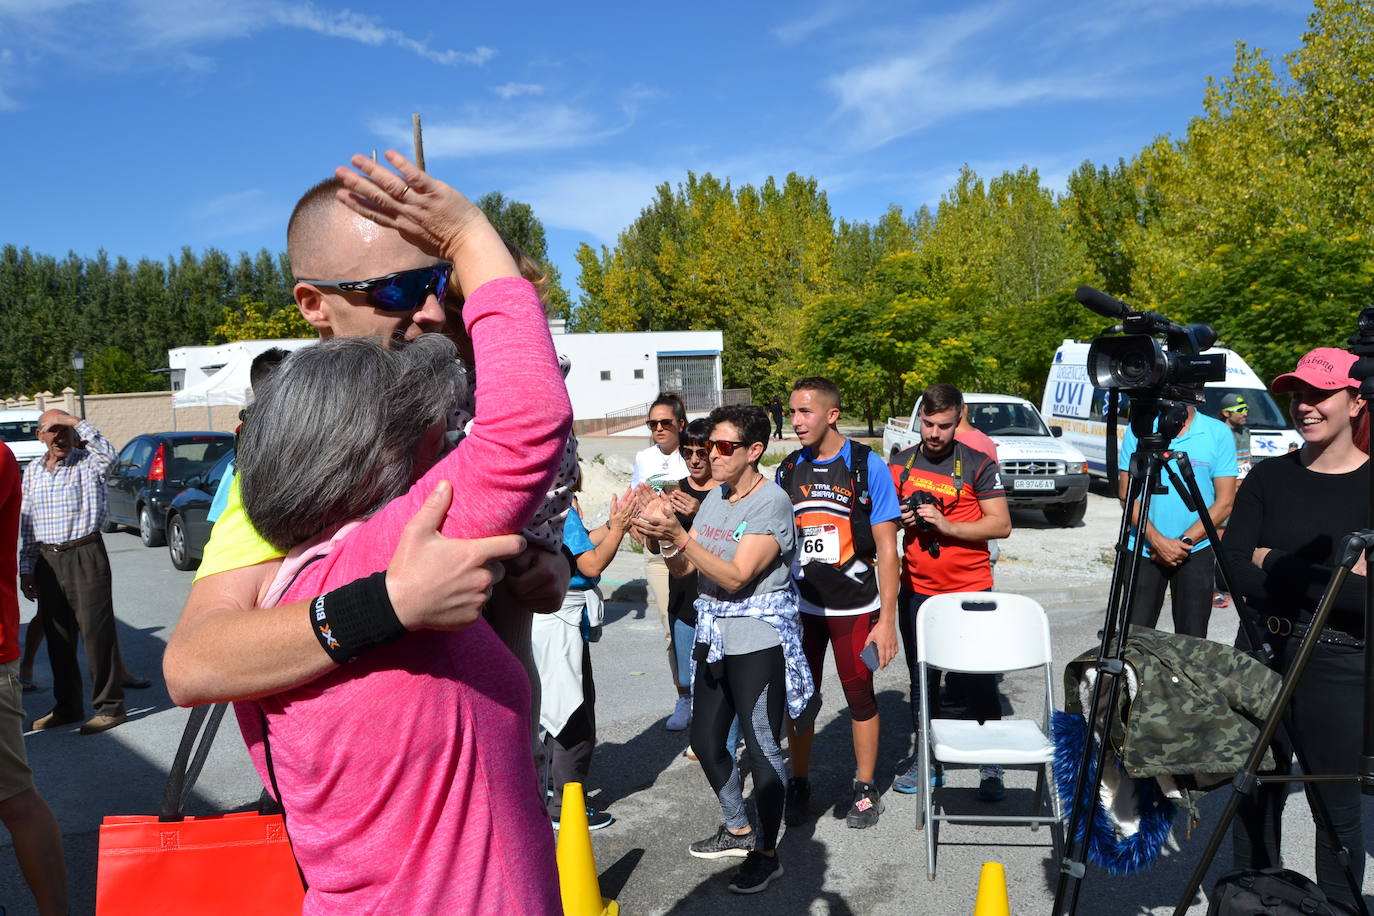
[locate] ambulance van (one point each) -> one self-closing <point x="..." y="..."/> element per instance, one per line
<point x="1075" y="406"/>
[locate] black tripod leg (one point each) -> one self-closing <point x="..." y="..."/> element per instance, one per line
<point x="1110" y="666"/>
<point x="1244" y="782"/>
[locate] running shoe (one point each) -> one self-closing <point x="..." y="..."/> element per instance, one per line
<point x="908" y="782"/>
<point x="757" y="872"/>
<point x="681" y="717"/>
<point x="722" y="844"/>
<point x="991" y="788"/>
<point x="596" y="819"/>
<point x="866" y="807"/>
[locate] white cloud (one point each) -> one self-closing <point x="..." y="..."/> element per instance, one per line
<point x="795" y="31"/>
<point x="512" y="90"/>
<point x="237" y="213"/>
<point x="908" y="91"/>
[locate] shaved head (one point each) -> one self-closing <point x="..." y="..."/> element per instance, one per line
<point x="327" y="242"/>
<point x="313" y="223"/>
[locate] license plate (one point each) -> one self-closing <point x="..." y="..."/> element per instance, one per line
<point x="1031" y="483"/>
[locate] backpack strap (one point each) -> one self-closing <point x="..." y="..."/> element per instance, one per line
<point x="789" y="464"/>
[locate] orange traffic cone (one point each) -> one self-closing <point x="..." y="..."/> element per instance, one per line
<point x="577" y="878"/>
<point x="992" y="892"/>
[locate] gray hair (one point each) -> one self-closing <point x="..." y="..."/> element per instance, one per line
<point x="332" y="434"/>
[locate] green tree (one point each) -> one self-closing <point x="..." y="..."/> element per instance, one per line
<point x="111" y="370"/>
<point x="251" y="320"/>
<point x="518" y="225"/>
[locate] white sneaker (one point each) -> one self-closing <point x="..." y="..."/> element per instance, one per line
<point x="681" y="717"/>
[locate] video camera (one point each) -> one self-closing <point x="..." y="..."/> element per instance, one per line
<point x="1130" y="357"/>
<point x="924" y="498"/>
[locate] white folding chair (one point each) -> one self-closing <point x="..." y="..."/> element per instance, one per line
<point x="985" y="633"/>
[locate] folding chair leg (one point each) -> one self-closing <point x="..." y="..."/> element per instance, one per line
<point x="928" y="804"/>
<point x="1039" y="794"/>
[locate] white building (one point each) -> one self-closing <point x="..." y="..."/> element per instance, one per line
<point x="624" y="372"/>
<point x="610" y="372"/>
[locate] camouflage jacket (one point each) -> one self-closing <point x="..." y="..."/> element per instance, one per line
<point x="1193" y="708"/>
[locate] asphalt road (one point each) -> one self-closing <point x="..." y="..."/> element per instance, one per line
<point x="661" y="799"/>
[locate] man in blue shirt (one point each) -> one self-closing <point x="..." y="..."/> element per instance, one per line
<point x="1179" y="556"/>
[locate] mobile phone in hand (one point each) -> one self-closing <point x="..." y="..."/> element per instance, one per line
<point x="869" y="656"/>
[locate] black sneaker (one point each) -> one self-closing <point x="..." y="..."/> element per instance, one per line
<point x="798" y="800"/>
<point x="596" y="819"/>
<point x="757" y="872"/>
<point x="991" y="788"/>
<point x="866" y="807"/>
<point x="722" y="844"/>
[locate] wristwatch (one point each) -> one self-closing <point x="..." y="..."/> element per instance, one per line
<point x="1187" y="540"/>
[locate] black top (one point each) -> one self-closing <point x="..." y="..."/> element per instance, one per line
<point x="683" y="592"/>
<point x="1303" y="517"/>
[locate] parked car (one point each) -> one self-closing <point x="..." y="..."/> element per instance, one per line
<point x="19" y="430"/>
<point x="153" y="468"/>
<point x="1039" y="469"/>
<point x="188" y="527"/>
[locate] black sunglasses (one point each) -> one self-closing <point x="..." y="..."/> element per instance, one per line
<point x="656" y="424"/>
<point x="403" y="291"/>
<point x="689" y="452"/>
<point x="726" y="447"/>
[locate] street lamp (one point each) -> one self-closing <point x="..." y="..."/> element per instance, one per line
<point x="79" y="364"/>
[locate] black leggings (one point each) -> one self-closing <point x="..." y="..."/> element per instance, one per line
<point x="1326" y="712"/>
<point x="753" y="687"/>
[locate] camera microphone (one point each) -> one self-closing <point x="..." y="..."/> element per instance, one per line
<point x="1101" y="303"/>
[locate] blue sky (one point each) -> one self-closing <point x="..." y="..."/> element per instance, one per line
<point x="140" y="126"/>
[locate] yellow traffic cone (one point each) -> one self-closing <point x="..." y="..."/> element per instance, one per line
<point x="992" y="892"/>
<point x="577" y="879"/>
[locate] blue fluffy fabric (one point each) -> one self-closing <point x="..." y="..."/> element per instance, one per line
<point x="1118" y="855"/>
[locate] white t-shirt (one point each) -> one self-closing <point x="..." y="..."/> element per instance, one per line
<point x="655" y="468"/>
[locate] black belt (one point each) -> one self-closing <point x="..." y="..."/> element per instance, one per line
<point x="68" y="545"/>
<point x="1284" y="626"/>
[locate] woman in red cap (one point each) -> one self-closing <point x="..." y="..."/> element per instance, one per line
<point x="1292" y="514"/>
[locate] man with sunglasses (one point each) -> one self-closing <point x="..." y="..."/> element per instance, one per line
<point x="846" y="574"/>
<point x="1235" y="413"/>
<point x="953" y="504"/>
<point x="364" y="280"/>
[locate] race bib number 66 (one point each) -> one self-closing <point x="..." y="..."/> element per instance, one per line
<point x="820" y="544"/>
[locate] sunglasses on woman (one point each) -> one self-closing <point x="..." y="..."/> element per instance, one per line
<point x="660" y="424"/>
<point x="726" y="447"/>
<point x="688" y="452"/>
<point x="403" y="291"/>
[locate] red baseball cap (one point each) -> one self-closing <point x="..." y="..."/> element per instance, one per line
<point x="1327" y="368"/>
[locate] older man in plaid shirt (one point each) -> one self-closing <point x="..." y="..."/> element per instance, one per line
<point x="63" y="566"/>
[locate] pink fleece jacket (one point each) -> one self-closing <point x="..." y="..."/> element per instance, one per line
<point x="406" y="774"/>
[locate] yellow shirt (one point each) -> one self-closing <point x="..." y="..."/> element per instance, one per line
<point x="234" y="542"/>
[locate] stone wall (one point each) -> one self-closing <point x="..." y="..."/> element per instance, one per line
<point x="122" y="416"/>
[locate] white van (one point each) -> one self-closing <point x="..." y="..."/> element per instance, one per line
<point x="1075" y="406"/>
<point x="19" y="430"/>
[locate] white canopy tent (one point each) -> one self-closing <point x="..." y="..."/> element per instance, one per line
<point x="229" y="385"/>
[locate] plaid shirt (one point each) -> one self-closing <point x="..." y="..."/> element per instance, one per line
<point x="68" y="502"/>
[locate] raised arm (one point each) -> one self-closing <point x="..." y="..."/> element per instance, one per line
<point x="504" y="466"/>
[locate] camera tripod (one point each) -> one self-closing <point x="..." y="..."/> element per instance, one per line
<point x="1155" y="422"/>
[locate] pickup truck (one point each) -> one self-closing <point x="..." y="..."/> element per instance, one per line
<point x="1039" y="470"/>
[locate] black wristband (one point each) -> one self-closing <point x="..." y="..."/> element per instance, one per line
<point x="355" y="617"/>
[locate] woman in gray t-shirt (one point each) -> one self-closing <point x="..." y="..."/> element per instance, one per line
<point x="748" y="656"/>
